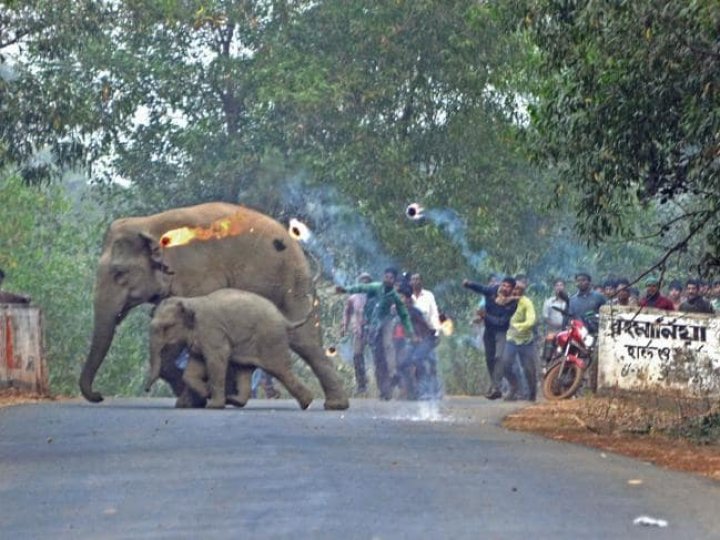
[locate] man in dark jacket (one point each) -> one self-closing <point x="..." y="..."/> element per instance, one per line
<point x="695" y="302"/>
<point x="499" y="308"/>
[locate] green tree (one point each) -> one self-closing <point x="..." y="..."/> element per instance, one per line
<point x="395" y="103"/>
<point x="53" y="110"/>
<point x="49" y="248"/>
<point x="390" y="104"/>
<point x="625" y="103"/>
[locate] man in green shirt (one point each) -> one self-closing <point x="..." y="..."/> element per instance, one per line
<point x="385" y="297"/>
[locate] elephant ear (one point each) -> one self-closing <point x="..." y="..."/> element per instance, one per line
<point x="187" y="315"/>
<point x="154" y="252"/>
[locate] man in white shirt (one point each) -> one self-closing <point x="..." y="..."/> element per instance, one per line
<point x="424" y="301"/>
<point x="553" y="318"/>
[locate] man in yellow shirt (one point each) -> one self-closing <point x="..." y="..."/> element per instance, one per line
<point x="520" y="344"/>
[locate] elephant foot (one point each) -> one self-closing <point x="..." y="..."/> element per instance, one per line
<point x="189" y="400"/>
<point x="215" y="404"/>
<point x="337" y="404"/>
<point x="306" y="401"/>
<point x="236" y="401"/>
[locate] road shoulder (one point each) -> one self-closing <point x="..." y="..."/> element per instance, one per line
<point x="597" y="423"/>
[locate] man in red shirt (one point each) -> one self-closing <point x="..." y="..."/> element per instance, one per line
<point x="653" y="298"/>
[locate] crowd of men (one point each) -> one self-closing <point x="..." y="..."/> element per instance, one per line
<point x="399" y="321"/>
<point x="508" y="317"/>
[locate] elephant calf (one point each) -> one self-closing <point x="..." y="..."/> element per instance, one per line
<point x="227" y="325"/>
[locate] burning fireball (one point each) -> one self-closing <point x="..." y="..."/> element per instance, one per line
<point x="221" y="228"/>
<point x="447" y="326"/>
<point x="414" y="211"/>
<point x="298" y="230"/>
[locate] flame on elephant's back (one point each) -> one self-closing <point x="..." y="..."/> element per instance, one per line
<point x="220" y="228"/>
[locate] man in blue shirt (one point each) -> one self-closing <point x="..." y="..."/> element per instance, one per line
<point x="586" y="300"/>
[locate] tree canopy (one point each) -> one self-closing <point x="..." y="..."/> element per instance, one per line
<point x="625" y="103"/>
<point x="344" y="113"/>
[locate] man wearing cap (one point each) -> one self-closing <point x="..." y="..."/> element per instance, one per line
<point x="653" y="298"/>
<point x="354" y="324"/>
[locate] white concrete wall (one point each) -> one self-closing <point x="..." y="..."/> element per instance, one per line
<point x="652" y="350"/>
<point x="22" y="359"/>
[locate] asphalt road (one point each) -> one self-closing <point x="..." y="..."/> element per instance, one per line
<point x="380" y="470"/>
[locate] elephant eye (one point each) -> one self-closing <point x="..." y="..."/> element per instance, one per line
<point x="118" y="274"/>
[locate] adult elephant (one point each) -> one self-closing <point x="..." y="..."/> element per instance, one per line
<point x="257" y="254"/>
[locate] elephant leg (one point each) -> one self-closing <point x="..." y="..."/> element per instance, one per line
<point x="243" y="376"/>
<point x="189" y="400"/>
<point x="289" y="380"/>
<point x="194" y="377"/>
<point x="216" y="363"/>
<point x="307" y="343"/>
<point x="194" y="393"/>
<point x="173" y="376"/>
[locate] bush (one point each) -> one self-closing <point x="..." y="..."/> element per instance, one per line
<point x="47" y="250"/>
<point x="462" y="366"/>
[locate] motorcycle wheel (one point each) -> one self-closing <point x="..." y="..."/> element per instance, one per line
<point x="557" y="385"/>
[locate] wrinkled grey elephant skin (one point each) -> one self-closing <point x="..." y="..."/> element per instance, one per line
<point x="260" y="257"/>
<point x="226" y="326"/>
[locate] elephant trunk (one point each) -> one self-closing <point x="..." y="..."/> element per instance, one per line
<point x="107" y="315"/>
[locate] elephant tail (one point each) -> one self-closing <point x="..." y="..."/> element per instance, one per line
<point x="318" y="273"/>
<point x="313" y="300"/>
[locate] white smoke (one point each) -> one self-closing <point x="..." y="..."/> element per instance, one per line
<point x="455" y="227"/>
<point x="342" y="239"/>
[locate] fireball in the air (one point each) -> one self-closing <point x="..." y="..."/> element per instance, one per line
<point x="414" y="211"/>
<point x="298" y="230"/>
<point x="447" y="326"/>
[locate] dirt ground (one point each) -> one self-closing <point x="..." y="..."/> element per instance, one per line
<point x="624" y="427"/>
<point x="616" y="425"/>
<point x="14" y="396"/>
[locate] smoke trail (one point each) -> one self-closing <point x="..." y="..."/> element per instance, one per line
<point x="8" y="73"/>
<point x="342" y="240"/>
<point x="454" y="226"/>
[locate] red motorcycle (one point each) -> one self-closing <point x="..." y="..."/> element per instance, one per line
<point x="568" y="355"/>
